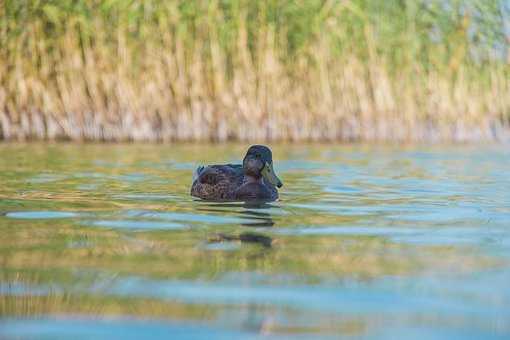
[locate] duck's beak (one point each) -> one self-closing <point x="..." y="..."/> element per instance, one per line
<point x="270" y="176"/>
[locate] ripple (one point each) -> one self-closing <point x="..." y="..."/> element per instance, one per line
<point x="423" y="236"/>
<point x="223" y="246"/>
<point x="188" y="217"/>
<point x="129" y="224"/>
<point x="46" y="178"/>
<point x="370" y="231"/>
<point x="87" y="187"/>
<point x="145" y="197"/>
<point x="82" y="327"/>
<point x="422" y="297"/>
<point x="41" y="215"/>
<point x="133" y="177"/>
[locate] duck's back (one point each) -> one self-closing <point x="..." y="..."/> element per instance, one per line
<point x="217" y="182"/>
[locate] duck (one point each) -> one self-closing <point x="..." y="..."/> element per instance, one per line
<point x="253" y="180"/>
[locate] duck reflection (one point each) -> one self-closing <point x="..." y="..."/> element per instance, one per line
<point x="253" y="215"/>
<point x="250" y="212"/>
<point x="257" y="219"/>
<point x="247" y="237"/>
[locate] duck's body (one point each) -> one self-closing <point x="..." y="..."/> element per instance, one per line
<point x="228" y="183"/>
<point x="253" y="180"/>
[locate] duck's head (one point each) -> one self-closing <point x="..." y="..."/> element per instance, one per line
<point x="258" y="163"/>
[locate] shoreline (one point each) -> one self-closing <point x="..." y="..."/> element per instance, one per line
<point x="422" y="132"/>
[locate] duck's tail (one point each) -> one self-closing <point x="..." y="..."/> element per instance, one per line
<point x="197" y="173"/>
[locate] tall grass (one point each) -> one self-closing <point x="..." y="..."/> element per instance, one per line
<point x="411" y="70"/>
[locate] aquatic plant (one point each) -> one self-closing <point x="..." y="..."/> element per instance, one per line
<point x="219" y="70"/>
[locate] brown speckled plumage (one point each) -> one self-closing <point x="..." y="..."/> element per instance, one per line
<point x="217" y="182"/>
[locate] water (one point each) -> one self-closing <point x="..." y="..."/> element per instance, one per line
<point x="366" y="242"/>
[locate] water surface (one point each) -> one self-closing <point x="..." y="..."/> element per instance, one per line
<point x="365" y="242"/>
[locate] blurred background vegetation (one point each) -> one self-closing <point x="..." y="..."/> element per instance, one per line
<point x="191" y="70"/>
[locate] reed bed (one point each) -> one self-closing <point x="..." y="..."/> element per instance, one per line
<point x="271" y="70"/>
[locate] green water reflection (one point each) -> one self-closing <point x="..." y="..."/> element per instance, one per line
<point x="365" y="241"/>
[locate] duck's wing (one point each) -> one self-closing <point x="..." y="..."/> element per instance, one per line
<point x="217" y="182"/>
<point x="214" y="174"/>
